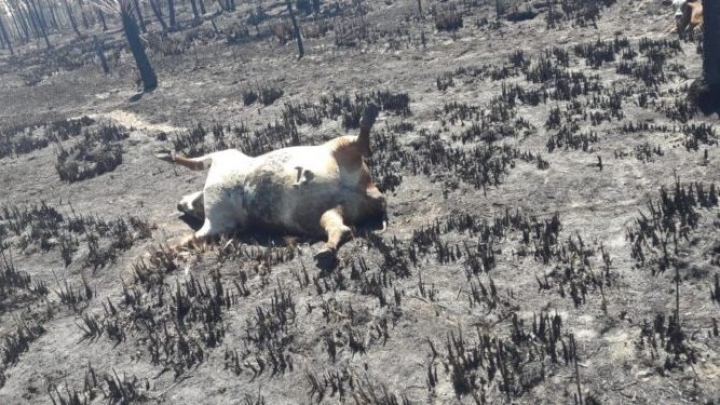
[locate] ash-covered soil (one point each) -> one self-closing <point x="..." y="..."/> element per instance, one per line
<point x="553" y="205"/>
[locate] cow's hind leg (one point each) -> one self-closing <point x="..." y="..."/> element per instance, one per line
<point x="377" y="204"/>
<point x="337" y="232"/>
<point x="219" y="220"/>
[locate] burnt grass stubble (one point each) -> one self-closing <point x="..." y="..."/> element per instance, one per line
<point x="489" y="287"/>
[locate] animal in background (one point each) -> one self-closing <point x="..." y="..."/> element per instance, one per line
<point x="688" y="17"/>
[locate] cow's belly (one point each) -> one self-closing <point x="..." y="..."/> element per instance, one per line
<point x="280" y="196"/>
<point x="272" y="193"/>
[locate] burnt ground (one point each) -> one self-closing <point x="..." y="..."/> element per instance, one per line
<point x="553" y="214"/>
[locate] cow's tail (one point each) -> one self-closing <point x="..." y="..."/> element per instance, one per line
<point x="198" y="163"/>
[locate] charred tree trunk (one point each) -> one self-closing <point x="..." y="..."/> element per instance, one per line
<point x="82" y="14"/>
<point x="101" y="16"/>
<point x="196" y="14"/>
<point x="71" y="17"/>
<point x="40" y="14"/>
<point x="32" y="7"/>
<point x="53" y="15"/>
<point x="30" y="21"/>
<point x="705" y="91"/>
<point x="101" y="55"/>
<point x="44" y="34"/>
<point x="171" y="14"/>
<point x="18" y="22"/>
<point x="711" y="45"/>
<point x="158" y="14"/>
<point x="201" y="3"/>
<point x="296" y="27"/>
<point x="132" y="32"/>
<point x="6" y="37"/>
<point x="141" y="20"/>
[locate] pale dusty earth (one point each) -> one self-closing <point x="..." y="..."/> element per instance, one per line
<point x="550" y="217"/>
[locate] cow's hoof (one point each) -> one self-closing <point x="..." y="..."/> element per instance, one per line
<point x="326" y="259"/>
<point x="164" y="155"/>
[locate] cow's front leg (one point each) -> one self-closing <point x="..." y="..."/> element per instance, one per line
<point x="378" y="204"/>
<point x="337" y="234"/>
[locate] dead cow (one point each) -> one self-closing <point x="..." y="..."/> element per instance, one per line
<point x="688" y="16"/>
<point x="306" y="190"/>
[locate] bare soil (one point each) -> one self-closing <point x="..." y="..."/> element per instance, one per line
<point x="553" y="205"/>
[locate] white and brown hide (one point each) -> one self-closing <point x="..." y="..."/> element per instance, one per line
<point x="307" y="190"/>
